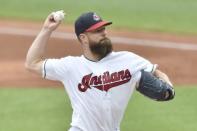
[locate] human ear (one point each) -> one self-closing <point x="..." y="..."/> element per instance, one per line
<point x="83" y="38"/>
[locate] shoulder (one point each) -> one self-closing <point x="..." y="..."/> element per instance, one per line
<point x="131" y="57"/>
<point x="125" y="54"/>
<point x="68" y="61"/>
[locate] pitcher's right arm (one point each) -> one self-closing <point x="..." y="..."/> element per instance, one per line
<point x="35" y="54"/>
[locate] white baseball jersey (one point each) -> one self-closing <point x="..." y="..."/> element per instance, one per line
<point x="99" y="91"/>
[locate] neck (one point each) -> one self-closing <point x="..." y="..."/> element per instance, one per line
<point x="90" y="56"/>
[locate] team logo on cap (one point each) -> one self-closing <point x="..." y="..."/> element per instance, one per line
<point x="96" y="17"/>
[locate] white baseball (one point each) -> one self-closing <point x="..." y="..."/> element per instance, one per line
<point x="58" y="15"/>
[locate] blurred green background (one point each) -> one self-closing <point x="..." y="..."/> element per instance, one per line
<point x="39" y="109"/>
<point x="48" y="109"/>
<point x="176" y="16"/>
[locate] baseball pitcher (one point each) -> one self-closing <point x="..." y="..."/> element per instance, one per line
<point x="101" y="81"/>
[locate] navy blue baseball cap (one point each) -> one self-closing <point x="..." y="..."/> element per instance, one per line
<point x="88" y="22"/>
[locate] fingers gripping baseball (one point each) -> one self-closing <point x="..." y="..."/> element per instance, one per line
<point x="54" y="20"/>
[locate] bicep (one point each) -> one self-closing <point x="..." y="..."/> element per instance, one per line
<point x="36" y="67"/>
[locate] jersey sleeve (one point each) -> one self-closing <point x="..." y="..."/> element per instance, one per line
<point x="150" y="67"/>
<point x="55" y="69"/>
<point x="144" y="64"/>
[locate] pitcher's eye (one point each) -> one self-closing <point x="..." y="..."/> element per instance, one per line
<point x="100" y="29"/>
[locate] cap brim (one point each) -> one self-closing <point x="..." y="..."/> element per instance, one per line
<point x="98" y="25"/>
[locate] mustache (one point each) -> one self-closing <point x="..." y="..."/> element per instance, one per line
<point x="104" y="40"/>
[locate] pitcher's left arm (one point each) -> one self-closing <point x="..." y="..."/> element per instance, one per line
<point x="156" y="86"/>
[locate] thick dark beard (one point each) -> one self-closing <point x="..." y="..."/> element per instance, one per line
<point x="102" y="48"/>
